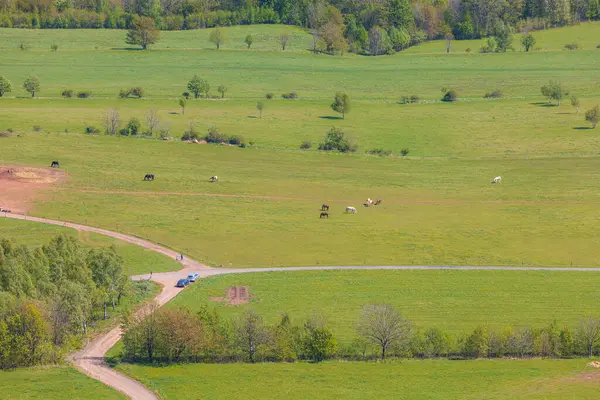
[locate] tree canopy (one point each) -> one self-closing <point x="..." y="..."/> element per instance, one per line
<point x="143" y="32"/>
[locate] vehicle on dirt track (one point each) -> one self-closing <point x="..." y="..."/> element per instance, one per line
<point x="193" y="277"/>
<point x="183" y="282"/>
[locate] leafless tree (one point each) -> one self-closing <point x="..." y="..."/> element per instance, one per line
<point x="283" y="40"/>
<point x="384" y="326"/>
<point x="153" y="120"/>
<point x="112" y="121"/>
<point x="588" y="333"/>
<point x="249" y="332"/>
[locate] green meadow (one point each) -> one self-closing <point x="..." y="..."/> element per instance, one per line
<point x="53" y="383"/>
<point x="429" y="379"/>
<point x="455" y="301"/>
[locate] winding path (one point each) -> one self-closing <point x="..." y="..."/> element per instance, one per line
<point x="90" y="360"/>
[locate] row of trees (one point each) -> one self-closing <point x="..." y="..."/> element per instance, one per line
<point x="374" y="27"/>
<point x="51" y="295"/>
<point x="178" y="335"/>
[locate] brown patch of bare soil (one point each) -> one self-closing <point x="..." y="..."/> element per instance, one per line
<point x="20" y="185"/>
<point x="235" y="295"/>
<point x="595" y="364"/>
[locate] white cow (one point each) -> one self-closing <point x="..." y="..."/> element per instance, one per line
<point x="351" y="209"/>
<point x="214" y="178"/>
<point x="497" y="179"/>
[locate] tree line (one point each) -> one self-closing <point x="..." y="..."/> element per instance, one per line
<point x="373" y="27"/>
<point x="174" y="335"/>
<point x="50" y="297"/>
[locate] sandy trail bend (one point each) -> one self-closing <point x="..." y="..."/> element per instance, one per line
<point x="90" y="360"/>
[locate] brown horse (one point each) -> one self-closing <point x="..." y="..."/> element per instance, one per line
<point x="378" y="202"/>
<point x="325" y="207"/>
<point x="324" y="215"/>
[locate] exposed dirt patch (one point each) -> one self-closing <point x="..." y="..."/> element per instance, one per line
<point x="595" y="364"/>
<point x="235" y="295"/>
<point x="19" y="186"/>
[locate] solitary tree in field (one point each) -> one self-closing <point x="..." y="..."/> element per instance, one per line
<point x="249" y="41"/>
<point x="198" y="86"/>
<point x="284" y="39"/>
<point x="5" y="86"/>
<point x="217" y="37"/>
<point x="260" y="106"/>
<point x="528" y="41"/>
<point x="554" y="91"/>
<point x="341" y="103"/>
<point x="143" y="32"/>
<point x="182" y="104"/>
<point x="112" y="122"/>
<point x="152" y="120"/>
<point x="575" y="103"/>
<point x="383" y="326"/>
<point x="32" y="85"/>
<point x="449" y="38"/>
<point x="593" y="116"/>
<point x="222" y="89"/>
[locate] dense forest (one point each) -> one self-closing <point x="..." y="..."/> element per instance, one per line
<point x="50" y="296"/>
<point x="395" y="24"/>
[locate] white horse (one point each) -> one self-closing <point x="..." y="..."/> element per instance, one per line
<point x="351" y="209"/>
<point x="497" y="179"/>
<point x="214" y="178"/>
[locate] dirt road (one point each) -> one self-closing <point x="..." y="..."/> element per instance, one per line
<point x="90" y="360"/>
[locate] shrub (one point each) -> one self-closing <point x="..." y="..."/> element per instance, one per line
<point x="291" y="95"/>
<point x="450" y="96"/>
<point x="408" y="100"/>
<point x="92" y="130"/>
<point x="404" y="152"/>
<point x="496" y="94"/>
<point x="132" y="128"/>
<point x="269" y="96"/>
<point x="598" y="47"/>
<point x="23" y="46"/>
<point x="190" y="133"/>
<point x="380" y="152"/>
<point x="305" y="145"/>
<point x="137" y="92"/>
<point x="414" y="98"/>
<point x="572" y="46"/>
<point x="67" y="93"/>
<point x="10" y="130"/>
<point x="123" y="93"/>
<point x="37" y="128"/>
<point x="54" y="47"/>
<point x="237" y="140"/>
<point x="337" y="140"/>
<point x="214" y="136"/>
<point x="85" y="94"/>
<point x="468" y="49"/>
<point x="186" y="95"/>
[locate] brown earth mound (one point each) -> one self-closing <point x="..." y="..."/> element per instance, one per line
<point x="595" y="364"/>
<point x="235" y="295"/>
<point x="19" y="186"/>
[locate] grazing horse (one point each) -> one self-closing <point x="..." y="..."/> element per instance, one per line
<point x="214" y="178"/>
<point x="351" y="209"/>
<point x="378" y="202"/>
<point x="366" y="204"/>
<point x="325" y="207"/>
<point x="324" y="215"/>
<point x="497" y="179"/>
<point x="55" y="164"/>
<point x="149" y="177"/>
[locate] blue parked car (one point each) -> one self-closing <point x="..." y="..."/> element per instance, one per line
<point x="183" y="282"/>
<point x="193" y="277"/>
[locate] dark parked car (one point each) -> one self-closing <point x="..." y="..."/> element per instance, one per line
<point x="183" y="282"/>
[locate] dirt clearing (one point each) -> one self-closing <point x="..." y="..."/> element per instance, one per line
<point x="19" y="186"/>
<point x="235" y="295"/>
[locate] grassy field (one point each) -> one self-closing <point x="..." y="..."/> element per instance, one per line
<point x="136" y="259"/>
<point x="482" y="379"/>
<point x="52" y="383"/>
<point x="456" y="301"/>
<point x="435" y="211"/>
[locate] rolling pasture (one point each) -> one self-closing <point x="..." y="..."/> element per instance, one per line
<point x="455" y="301"/>
<point x="429" y="379"/>
<point x="53" y="383"/>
